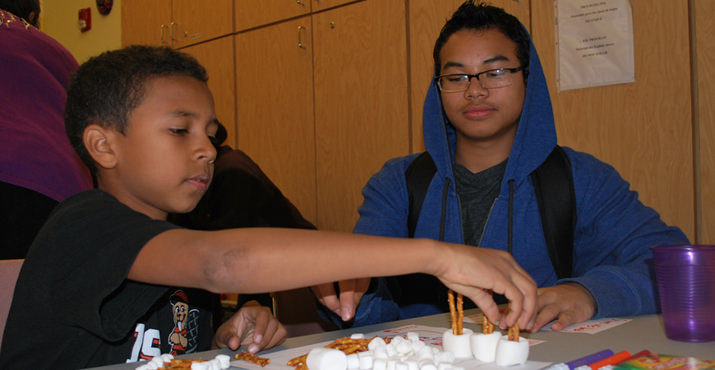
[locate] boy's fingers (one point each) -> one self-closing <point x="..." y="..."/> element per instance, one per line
<point x="327" y="296"/>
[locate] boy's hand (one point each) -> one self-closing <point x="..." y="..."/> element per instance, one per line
<point x="473" y="271"/>
<point x="252" y="325"/>
<point x="351" y="291"/>
<point x="568" y="304"/>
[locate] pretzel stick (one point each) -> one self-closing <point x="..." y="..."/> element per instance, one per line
<point x="456" y="312"/>
<point x="514" y="333"/>
<point x="452" y="313"/>
<point x="245" y="356"/>
<point x="460" y="314"/>
<point x="487" y="326"/>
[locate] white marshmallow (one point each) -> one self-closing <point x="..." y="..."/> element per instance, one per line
<point x="365" y="360"/>
<point x="224" y="361"/>
<point x="379" y="364"/>
<point x="484" y="346"/>
<point x="427" y="365"/>
<point x="357" y="336"/>
<point x="376" y="342"/>
<point x="353" y="361"/>
<point x="326" y="359"/>
<point x="200" y="366"/>
<point x="425" y="353"/>
<point x="403" y="347"/>
<point x="445" y="357"/>
<point x="402" y="366"/>
<point x="413" y="336"/>
<point x="512" y="353"/>
<point x="412" y="364"/>
<point x="458" y="344"/>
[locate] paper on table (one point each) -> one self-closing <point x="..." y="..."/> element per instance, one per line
<point x="591" y="326"/>
<point x="430" y="335"/>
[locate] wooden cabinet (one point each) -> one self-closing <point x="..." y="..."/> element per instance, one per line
<point x="252" y="13"/>
<point x="217" y="57"/>
<point x="704" y="103"/>
<point x="274" y="104"/>
<point x="175" y="23"/>
<point x="361" y="102"/>
<point x="322" y="117"/>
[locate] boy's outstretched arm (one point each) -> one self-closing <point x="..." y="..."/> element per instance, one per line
<point x="268" y="259"/>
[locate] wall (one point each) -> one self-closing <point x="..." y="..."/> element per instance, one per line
<point x="58" y="18"/>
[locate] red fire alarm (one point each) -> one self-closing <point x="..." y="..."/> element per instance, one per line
<point x="85" y="19"/>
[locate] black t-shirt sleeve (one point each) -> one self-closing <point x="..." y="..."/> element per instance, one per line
<point x="84" y="254"/>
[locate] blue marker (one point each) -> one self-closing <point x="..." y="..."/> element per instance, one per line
<point x="587" y="360"/>
<point x="583" y="361"/>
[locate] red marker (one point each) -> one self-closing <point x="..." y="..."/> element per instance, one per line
<point x="617" y="358"/>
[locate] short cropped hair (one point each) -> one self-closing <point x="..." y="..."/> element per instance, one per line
<point x="484" y="17"/>
<point x="107" y="88"/>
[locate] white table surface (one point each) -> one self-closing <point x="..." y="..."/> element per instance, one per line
<point x="641" y="333"/>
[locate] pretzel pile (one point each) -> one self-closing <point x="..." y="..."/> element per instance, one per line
<point x="248" y="357"/>
<point x="456" y="312"/>
<point x="347" y="345"/>
<point x="167" y="361"/>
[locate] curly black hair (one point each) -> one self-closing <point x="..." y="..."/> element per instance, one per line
<point x="481" y="16"/>
<point x="107" y="88"/>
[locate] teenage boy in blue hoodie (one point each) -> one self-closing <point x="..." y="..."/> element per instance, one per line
<point x="488" y="123"/>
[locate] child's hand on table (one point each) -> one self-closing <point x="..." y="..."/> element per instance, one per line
<point x="253" y="325"/>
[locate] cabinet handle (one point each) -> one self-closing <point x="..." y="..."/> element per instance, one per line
<point x="300" y="3"/>
<point x="172" y="26"/>
<point x="300" y="38"/>
<point x="161" y="34"/>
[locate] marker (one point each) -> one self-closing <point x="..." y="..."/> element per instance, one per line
<point x="617" y="358"/>
<point x="587" y="360"/>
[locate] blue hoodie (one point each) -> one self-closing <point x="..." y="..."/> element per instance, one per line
<point x="613" y="234"/>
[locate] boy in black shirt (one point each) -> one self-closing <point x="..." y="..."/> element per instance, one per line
<point x="101" y="281"/>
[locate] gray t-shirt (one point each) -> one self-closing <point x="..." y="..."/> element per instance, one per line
<point x="477" y="192"/>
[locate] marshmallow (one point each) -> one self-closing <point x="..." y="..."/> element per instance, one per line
<point x="413" y="336"/>
<point x="365" y="360"/>
<point x="458" y="344"/>
<point x="353" y="361"/>
<point x="512" y="353"/>
<point x="376" y="342"/>
<point x="326" y="359"/>
<point x="357" y="336"/>
<point x="484" y="346"/>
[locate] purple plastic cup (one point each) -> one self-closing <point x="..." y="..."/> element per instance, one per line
<point x="686" y="284"/>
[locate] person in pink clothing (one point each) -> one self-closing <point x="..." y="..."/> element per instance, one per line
<point x="38" y="167"/>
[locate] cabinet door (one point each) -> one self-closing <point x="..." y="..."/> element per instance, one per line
<point x="146" y="22"/>
<point x="705" y="90"/>
<point x="274" y="104"/>
<point x="252" y="13"/>
<point x="197" y="21"/>
<point x="426" y="20"/>
<point x="217" y="57"/>
<point x="319" y="5"/>
<point x="644" y="129"/>
<point x="360" y="77"/>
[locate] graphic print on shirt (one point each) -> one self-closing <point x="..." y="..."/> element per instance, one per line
<point x="184" y="337"/>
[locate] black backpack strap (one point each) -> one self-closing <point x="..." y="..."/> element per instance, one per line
<point x="553" y="183"/>
<point x="418" y="175"/>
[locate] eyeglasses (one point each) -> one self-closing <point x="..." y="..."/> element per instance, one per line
<point x="493" y="78"/>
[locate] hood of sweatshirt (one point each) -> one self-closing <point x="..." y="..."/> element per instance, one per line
<point x="535" y="137"/>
